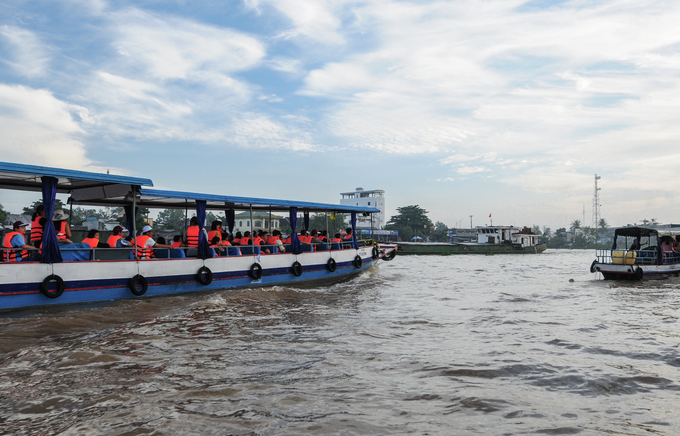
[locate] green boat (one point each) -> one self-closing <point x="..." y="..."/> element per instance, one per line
<point x="489" y="240"/>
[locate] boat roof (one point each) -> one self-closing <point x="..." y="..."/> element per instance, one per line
<point x="96" y="189"/>
<point x="164" y="199"/>
<point x="79" y="183"/>
<point x="645" y="231"/>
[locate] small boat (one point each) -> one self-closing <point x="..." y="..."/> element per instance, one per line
<point x="488" y="240"/>
<point x="104" y="274"/>
<point x="638" y="252"/>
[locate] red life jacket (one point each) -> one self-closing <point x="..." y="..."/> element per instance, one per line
<point x="36" y="229"/>
<point x="305" y="239"/>
<point x="237" y="241"/>
<point x="142" y="251"/>
<point x="92" y="242"/>
<point x="192" y="236"/>
<point x="113" y="239"/>
<point x="12" y="255"/>
<point x="271" y="240"/>
<point x="336" y="240"/>
<point x="245" y="241"/>
<point x="347" y="237"/>
<point x="257" y="240"/>
<point x="288" y="240"/>
<point x="176" y="244"/>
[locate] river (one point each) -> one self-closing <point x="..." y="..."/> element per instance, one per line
<point x="451" y="345"/>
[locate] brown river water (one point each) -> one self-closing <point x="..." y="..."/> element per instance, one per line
<point x="456" y="345"/>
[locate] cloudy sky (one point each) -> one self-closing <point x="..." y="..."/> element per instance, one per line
<point x="464" y="107"/>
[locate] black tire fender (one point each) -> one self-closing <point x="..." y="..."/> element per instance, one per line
<point x="296" y="269"/>
<point x="208" y="276"/>
<point x="255" y="271"/>
<point x="376" y="253"/>
<point x="142" y="281"/>
<point x="44" y="286"/>
<point x="358" y="262"/>
<point x="331" y="265"/>
<point x="639" y="273"/>
<point x="592" y="266"/>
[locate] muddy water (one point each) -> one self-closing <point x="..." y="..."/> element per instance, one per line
<point x="485" y="345"/>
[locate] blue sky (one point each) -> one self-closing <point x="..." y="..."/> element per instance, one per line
<point x="463" y="107"/>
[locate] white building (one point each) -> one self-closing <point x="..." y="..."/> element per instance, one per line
<point x="374" y="198"/>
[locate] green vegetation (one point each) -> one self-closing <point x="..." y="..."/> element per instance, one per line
<point x="411" y="221"/>
<point x="3" y="215"/>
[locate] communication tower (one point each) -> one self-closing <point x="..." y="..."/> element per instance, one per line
<point x="596" y="204"/>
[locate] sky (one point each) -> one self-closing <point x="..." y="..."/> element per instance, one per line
<point x="505" y="108"/>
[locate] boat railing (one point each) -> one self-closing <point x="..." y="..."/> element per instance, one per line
<point x="635" y="257"/>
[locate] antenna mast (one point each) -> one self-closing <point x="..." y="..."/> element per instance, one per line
<point x="596" y="204"/>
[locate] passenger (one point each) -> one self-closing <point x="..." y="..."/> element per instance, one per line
<point x="192" y="233"/>
<point x="259" y="240"/>
<point x="304" y="237"/>
<point x="92" y="239"/>
<point x="145" y="243"/>
<point x="215" y="230"/>
<point x="215" y="244"/>
<point x="117" y="239"/>
<point x="176" y="241"/>
<point x="59" y="218"/>
<point x="37" y="222"/>
<point x="348" y="236"/>
<point x="226" y="238"/>
<point x="337" y="238"/>
<point x="275" y="239"/>
<point x="324" y="236"/>
<point x="237" y="239"/>
<point x="245" y="240"/>
<point x="286" y="240"/>
<point x="666" y="244"/>
<point x="16" y="239"/>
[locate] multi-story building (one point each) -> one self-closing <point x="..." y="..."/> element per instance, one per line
<point x="260" y="222"/>
<point x="374" y="198"/>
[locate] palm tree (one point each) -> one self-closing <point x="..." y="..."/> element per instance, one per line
<point x="603" y="225"/>
<point x="576" y="224"/>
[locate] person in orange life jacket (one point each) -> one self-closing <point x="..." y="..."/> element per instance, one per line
<point x="176" y="241"/>
<point x="146" y="244"/>
<point x="192" y="233"/>
<point x="304" y="237"/>
<point x="215" y="244"/>
<point x="59" y="218"/>
<point x="225" y="239"/>
<point x="349" y="234"/>
<point x="37" y="222"/>
<point x="259" y="240"/>
<point x="287" y="240"/>
<point x="237" y="239"/>
<point x="337" y="238"/>
<point x="92" y="239"/>
<point x="316" y="239"/>
<point x="215" y="230"/>
<point x="323" y="237"/>
<point x="245" y="240"/>
<point x="275" y="239"/>
<point x="16" y="239"/>
<point x="117" y="239"/>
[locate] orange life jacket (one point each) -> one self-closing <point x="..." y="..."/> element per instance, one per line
<point x="288" y="240"/>
<point x="336" y="240"/>
<point x="192" y="236"/>
<point x="347" y="237"/>
<point x="176" y="244"/>
<point x="92" y="242"/>
<point x="12" y="255"/>
<point x="271" y="240"/>
<point x="61" y="229"/>
<point x="213" y="233"/>
<point x="36" y="229"/>
<point x="142" y="251"/>
<point x="305" y="239"/>
<point x="258" y="240"/>
<point x="113" y="239"/>
<point x="225" y="243"/>
<point x="245" y="241"/>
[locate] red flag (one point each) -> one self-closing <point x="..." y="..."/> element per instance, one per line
<point x="489" y="215"/>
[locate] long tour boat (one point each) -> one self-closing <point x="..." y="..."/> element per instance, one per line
<point x="74" y="273"/>
<point x="486" y="240"/>
<point x="638" y="252"/>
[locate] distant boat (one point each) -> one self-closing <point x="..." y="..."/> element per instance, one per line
<point x="638" y="252"/>
<point x="81" y="274"/>
<point x="489" y="240"/>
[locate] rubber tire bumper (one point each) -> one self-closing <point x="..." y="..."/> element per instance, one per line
<point x="44" y="286"/>
<point x="296" y="269"/>
<point x="204" y="280"/>
<point x="255" y="271"/>
<point x="133" y="285"/>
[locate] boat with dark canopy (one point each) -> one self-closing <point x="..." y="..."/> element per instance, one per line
<point x="638" y="252"/>
<point x="115" y="273"/>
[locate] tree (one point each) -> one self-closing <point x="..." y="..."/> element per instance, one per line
<point x="3" y="215"/>
<point x="414" y="218"/>
<point x="318" y="221"/>
<point x="603" y="225"/>
<point x="30" y="210"/>
<point x="576" y="224"/>
<point x="171" y="219"/>
<point x="441" y="232"/>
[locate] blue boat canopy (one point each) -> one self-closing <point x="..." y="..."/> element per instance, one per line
<point x="177" y="199"/>
<point x="80" y="184"/>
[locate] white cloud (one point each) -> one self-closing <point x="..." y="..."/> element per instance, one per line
<point x="29" y="55"/>
<point x="39" y="129"/>
<point x="313" y="19"/>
